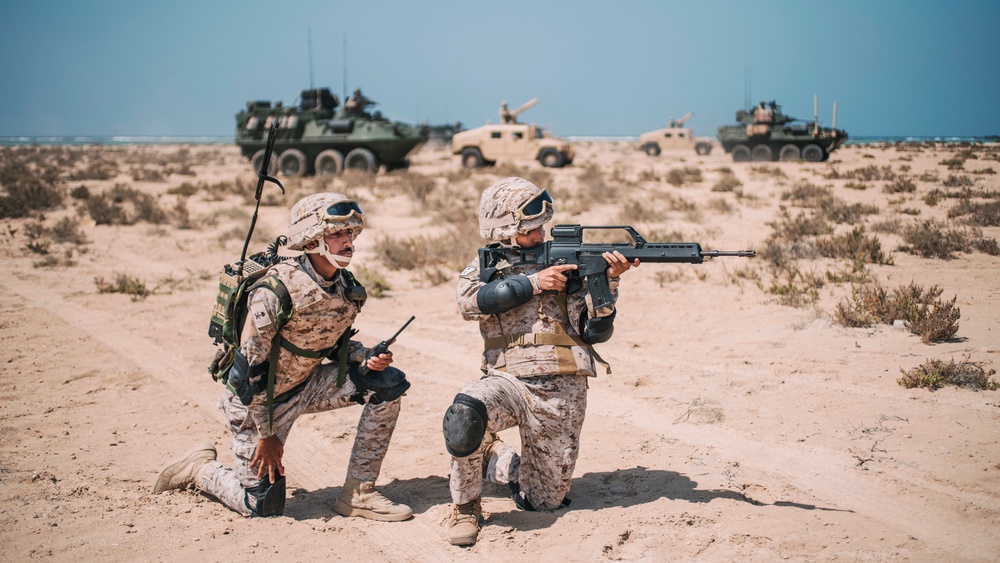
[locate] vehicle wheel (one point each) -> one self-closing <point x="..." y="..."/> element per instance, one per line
<point x="551" y="158"/>
<point x="789" y="152"/>
<point x="762" y="153"/>
<point x="329" y="163"/>
<point x="472" y="158"/>
<point x="812" y="153"/>
<point x="741" y="153"/>
<point x="652" y="149"/>
<point x="703" y="148"/>
<point x="362" y="160"/>
<point x="258" y="157"/>
<point x="293" y="163"/>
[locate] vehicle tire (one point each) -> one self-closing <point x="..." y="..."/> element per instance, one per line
<point x="472" y="158"/>
<point x="329" y="163"/>
<point x="812" y="153"/>
<point x="652" y="149"/>
<point x="789" y="152"/>
<point x="762" y="153"/>
<point x="258" y="157"/>
<point x="362" y="160"/>
<point x="551" y="158"/>
<point x="703" y="148"/>
<point x="741" y="153"/>
<point x="292" y="163"/>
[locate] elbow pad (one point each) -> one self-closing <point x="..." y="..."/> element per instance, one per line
<point x="502" y="295"/>
<point x="597" y="330"/>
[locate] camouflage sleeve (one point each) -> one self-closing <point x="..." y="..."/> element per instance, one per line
<point x="263" y="310"/>
<point x="468" y="289"/>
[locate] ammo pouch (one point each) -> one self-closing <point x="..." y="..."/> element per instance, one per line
<point x="387" y="385"/>
<point x="244" y="380"/>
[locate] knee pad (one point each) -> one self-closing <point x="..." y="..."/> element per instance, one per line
<point x="464" y="425"/>
<point x="266" y="499"/>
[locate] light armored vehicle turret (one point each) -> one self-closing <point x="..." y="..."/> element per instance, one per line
<point x="321" y="136"/>
<point x="674" y="136"/>
<point x="484" y="146"/>
<point x="765" y="133"/>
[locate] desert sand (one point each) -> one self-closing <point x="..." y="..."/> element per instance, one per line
<point x="735" y="426"/>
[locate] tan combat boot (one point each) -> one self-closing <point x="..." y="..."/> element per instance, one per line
<point x="463" y="526"/>
<point x="359" y="498"/>
<point x="185" y="472"/>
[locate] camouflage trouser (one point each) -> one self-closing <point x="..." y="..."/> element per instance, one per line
<point x="319" y="394"/>
<point x="549" y="412"/>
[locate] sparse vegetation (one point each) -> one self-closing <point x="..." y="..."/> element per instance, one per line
<point x="124" y="283"/>
<point x="935" y="374"/>
<point x="921" y="310"/>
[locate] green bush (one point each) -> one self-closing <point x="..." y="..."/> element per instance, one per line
<point x="935" y="374"/>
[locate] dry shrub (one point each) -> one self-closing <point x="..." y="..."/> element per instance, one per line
<point x="686" y="175"/>
<point x="794" y="287"/>
<point x="124" y="283"/>
<point x="639" y="212"/>
<point x="855" y="246"/>
<point x="900" y="185"/>
<point x="27" y="189"/>
<point x="932" y="239"/>
<point x="123" y="205"/>
<point x="921" y="310"/>
<point x="960" y="181"/>
<point x="428" y="254"/>
<point x="727" y="183"/>
<point x="374" y="282"/>
<point x="935" y="374"/>
<point x="806" y="194"/>
<point x="869" y="173"/>
<point x="593" y="187"/>
<point x="979" y="214"/>
<point x="796" y="228"/>
<point x="772" y="171"/>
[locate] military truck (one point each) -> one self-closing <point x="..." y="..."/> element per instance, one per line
<point x="321" y="136"/>
<point x="483" y="146"/>
<point x="674" y="136"/>
<point x="766" y="134"/>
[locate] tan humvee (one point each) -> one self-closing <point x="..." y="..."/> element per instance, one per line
<point x="673" y="137"/>
<point x="485" y="145"/>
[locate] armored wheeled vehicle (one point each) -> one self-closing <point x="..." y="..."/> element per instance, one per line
<point x="321" y="136"/>
<point x="674" y="136"/>
<point x="765" y="134"/>
<point x="483" y="146"/>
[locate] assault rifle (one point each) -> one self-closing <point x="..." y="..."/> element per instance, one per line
<point x="567" y="247"/>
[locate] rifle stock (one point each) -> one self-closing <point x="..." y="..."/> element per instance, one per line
<point x="567" y="247"/>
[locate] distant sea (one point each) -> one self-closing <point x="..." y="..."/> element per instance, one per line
<point x="228" y="140"/>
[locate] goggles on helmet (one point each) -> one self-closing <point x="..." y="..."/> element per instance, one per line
<point x="531" y="209"/>
<point x="342" y="211"/>
<point x="534" y="207"/>
<point x="336" y="213"/>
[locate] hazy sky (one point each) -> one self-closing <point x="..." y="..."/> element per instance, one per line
<point x="182" y="67"/>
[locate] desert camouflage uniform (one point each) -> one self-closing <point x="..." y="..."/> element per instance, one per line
<point x="321" y="315"/>
<point x="540" y="389"/>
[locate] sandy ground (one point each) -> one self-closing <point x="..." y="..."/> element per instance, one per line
<point x="732" y="428"/>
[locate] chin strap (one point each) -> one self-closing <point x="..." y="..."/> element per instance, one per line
<point x="335" y="260"/>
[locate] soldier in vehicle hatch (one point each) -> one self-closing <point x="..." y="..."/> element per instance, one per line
<point x="538" y="356"/>
<point x="324" y="300"/>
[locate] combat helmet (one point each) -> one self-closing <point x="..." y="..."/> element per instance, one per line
<point x="511" y="206"/>
<point x="318" y="215"/>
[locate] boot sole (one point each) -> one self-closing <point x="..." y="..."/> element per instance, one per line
<point x="345" y="509"/>
<point x="464" y="540"/>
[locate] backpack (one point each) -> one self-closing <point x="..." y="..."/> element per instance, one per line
<point x="229" y="315"/>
